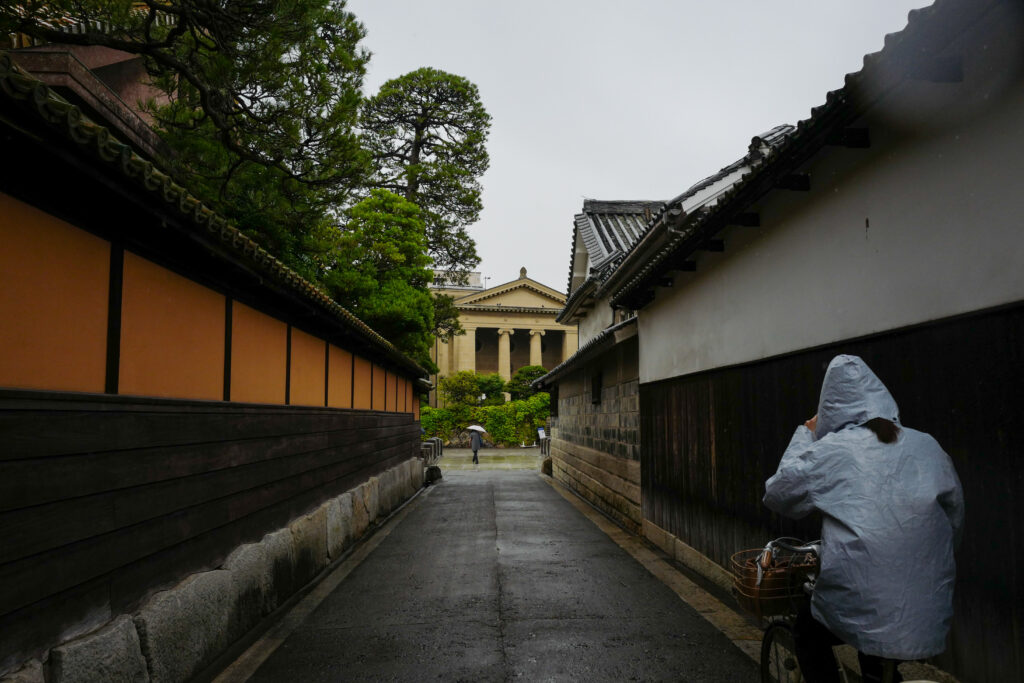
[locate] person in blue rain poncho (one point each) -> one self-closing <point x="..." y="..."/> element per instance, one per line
<point x="892" y="511"/>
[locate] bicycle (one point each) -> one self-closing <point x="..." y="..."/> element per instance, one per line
<point x="774" y="583"/>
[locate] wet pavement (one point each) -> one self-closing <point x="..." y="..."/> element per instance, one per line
<point x="492" y="575"/>
<point x="457" y="459"/>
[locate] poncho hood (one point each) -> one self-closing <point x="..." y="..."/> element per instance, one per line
<point x="852" y="394"/>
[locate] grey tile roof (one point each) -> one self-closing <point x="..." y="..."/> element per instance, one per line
<point x="609" y="229"/>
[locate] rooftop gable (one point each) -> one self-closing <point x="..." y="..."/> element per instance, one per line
<point x="521" y="293"/>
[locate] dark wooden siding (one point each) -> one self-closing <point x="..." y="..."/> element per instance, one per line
<point x="710" y="440"/>
<point x="105" y="499"/>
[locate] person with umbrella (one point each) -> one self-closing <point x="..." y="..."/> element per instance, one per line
<point x="474" y="441"/>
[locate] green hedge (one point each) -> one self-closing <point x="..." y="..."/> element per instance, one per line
<point x="508" y="424"/>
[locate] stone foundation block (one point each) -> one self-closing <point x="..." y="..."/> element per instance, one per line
<point x="183" y="629"/>
<point x="371" y="498"/>
<point x="280" y="549"/>
<point x="112" y="653"/>
<point x="339" y="525"/>
<point x="360" y="518"/>
<point x="416" y="465"/>
<point x="383" y="494"/>
<point x="409" y="477"/>
<point x="392" y="496"/>
<point x="309" y="535"/>
<point x="252" y="579"/>
<point x="32" y="672"/>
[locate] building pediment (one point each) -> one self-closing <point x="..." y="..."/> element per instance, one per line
<point x="521" y="293"/>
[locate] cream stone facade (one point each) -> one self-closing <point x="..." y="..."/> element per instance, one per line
<point x="507" y="327"/>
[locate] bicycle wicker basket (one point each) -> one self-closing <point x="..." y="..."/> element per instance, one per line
<point x="781" y="586"/>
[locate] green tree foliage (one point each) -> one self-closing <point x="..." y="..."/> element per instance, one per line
<point x="519" y="384"/>
<point x="461" y="388"/>
<point x="262" y="100"/>
<point x="468" y="388"/>
<point x="492" y="387"/>
<point x="277" y="82"/>
<point x="379" y="272"/>
<point x="427" y="132"/>
<point x="509" y="424"/>
<point x="446" y="318"/>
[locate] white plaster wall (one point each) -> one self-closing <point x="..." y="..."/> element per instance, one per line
<point x="596" y="320"/>
<point x="912" y="230"/>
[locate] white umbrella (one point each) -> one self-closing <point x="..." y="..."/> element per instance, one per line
<point x="476" y="428"/>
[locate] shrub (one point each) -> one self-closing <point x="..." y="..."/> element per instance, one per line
<point x="519" y="386"/>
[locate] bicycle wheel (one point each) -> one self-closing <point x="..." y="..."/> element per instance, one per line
<point x="778" y="656"/>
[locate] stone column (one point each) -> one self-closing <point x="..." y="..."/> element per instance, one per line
<point x="505" y="354"/>
<point x="465" y="351"/>
<point x="536" y="353"/>
<point x="570" y="343"/>
<point x="443" y="359"/>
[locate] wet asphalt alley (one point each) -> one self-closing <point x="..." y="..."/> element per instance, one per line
<point x="493" y="576"/>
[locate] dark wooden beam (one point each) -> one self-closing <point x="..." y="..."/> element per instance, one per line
<point x="855" y="138"/>
<point x="746" y="220"/>
<point x="684" y="265"/>
<point x="799" y="182"/>
<point x="665" y="281"/>
<point x="642" y="298"/>
<point x="713" y="245"/>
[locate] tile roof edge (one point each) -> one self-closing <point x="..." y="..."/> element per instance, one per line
<point x="592" y="345"/>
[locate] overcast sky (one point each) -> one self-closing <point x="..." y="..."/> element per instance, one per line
<point x="617" y="99"/>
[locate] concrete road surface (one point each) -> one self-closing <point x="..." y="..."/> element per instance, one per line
<point x="494" y="576"/>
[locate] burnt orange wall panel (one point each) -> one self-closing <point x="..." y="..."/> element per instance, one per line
<point x="308" y="371"/>
<point x="416" y="408"/>
<point x="363" y="384"/>
<point x="54" y="281"/>
<point x="409" y="397"/>
<point x="379" y="388"/>
<point x="172" y="334"/>
<point x="259" y="356"/>
<point x="392" y="392"/>
<point x="339" y="378"/>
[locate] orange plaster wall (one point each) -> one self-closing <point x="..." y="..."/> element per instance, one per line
<point x="172" y="334"/>
<point x="54" y="282"/>
<point x="379" y="388"/>
<point x="259" y="356"/>
<point x="392" y="392"/>
<point x="363" y="384"/>
<point x="416" y="408"/>
<point x="307" y="378"/>
<point x="408" y="397"/>
<point x="339" y="383"/>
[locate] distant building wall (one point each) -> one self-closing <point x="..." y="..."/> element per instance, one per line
<point x="595" y="447"/>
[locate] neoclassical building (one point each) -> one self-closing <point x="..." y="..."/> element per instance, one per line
<point x="507" y="327"/>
